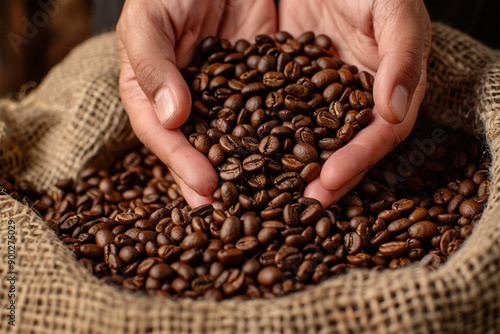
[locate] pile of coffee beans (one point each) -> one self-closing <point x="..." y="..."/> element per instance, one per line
<point x="267" y="115"/>
<point x="130" y="226"/>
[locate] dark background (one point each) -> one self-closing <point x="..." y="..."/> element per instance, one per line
<point x="77" y="20"/>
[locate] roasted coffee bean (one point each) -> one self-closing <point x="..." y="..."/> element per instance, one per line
<point x="269" y="145"/>
<point x="418" y="214"/>
<point x="324" y="78"/>
<point x="230" y="257"/>
<point x="104" y="237"/>
<point x="394" y="248"/>
<point x="345" y="76"/>
<point x="328" y="120"/>
<point x="399" y="225"/>
<point x="291" y="163"/>
<point x="305" y="135"/>
<point x="295" y="104"/>
<point x="292" y="71"/>
<point x="128" y="254"/>
<point x="169" y="253"/>
<point x="269" y="275"/>
<point x="299" y="91"/>
<point x="423" y="229"/>
<point x="231" y="171"/>
<point x="197" y="239"/>
<point x="273" y="79"/>
<point x="310" y="171"/>
<point x="288" y="257"/>
<point x="357" y="100"/>
<point x="352" y="243"/>
<point x="306" y="153"/>
<point x="366" y="80"/>
<point x="234" y="283"/>
<point x="442" y="196"/>
<point x="311" y="214"/>
<point x="232" y="230"/>
<point x="248" y="244"/>
<point x="403" y="205"/>
<point x="431" y="260"/>
<point x="287" y="181"/>
<point x="470" y="208"/>
<point x="266" y="234"/>
<point x="380" y="238"/>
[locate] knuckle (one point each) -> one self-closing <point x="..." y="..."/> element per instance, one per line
<point x="411" y="65"/>
<point x="147" y="76"/>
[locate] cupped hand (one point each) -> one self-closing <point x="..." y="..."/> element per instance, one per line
<point x="155" y="39"/>
<point x="388" y="38"/>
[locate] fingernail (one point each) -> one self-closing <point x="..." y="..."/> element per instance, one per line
<point x="399" y="102"/>
<point x="165" y="105"/>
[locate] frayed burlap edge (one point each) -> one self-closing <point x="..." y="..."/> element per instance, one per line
<point x="54" y="294"/>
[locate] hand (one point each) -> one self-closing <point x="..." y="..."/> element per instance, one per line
<point x="157" y="37"/>
<point x="386" y="37"/>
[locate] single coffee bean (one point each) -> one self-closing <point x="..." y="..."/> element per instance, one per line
<point x="234" y="283"/>
<point x="399" y="225"/>
<point x="328" y="120"/>
<point x="366" y="80"/>
<point x="232" y="230"/>
<point x="442" y="196"/>
<point x="423" y="229"/>
<point x="287" y="181"/>
<point x="296" y="105"/>
<point x="128" y="254"/>
<point x="311" y="214"/>
<point x="269" y="145"/>
<point x="380" y="238"/>
<point x="104" y="237"/>
<point x="288" y="257"/>
<point x="310" y="171"/>
<point x="324" y="78"/>
<point x="273" y="79"/>
<point x="248" y="244"/>
<point x="352" y="243"/>
<point x="266" y="234"/>
<point x="394" y="248"/>
<point x="230" y="257"/>
<point x="197" y="239"/>
<point x="269" y="275"/>
<point x="170" y="253"/>
<point x="403" y="205"/>
<point x="306" y="153"/>
<point x="357" y="99"/>
<point x="469" y="208"/>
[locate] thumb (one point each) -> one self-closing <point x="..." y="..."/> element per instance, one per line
<point x="150" y="50"/>
<point x="402" y="30"/>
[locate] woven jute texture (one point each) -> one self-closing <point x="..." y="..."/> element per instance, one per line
<point x="75" y="116"/>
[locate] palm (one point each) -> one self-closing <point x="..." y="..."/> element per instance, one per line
<point x="358" y="39"/>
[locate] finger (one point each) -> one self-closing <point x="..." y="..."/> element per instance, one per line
<point x="247" y="19"/>
<point x="327" y="197"/>
<point x="363" y="151"/>
<point x="170" y="146"/>
<point x="192" y="197"/>
<point x="297" y="21"/>
<point x="402" y="30"/>
<point x="148" y="36"/>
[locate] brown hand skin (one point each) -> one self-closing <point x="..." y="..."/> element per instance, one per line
<point x="390" y="39"/>
<point x="155" y="39"/>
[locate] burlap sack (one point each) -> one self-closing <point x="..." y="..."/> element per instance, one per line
<point x="75" y="115"/>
